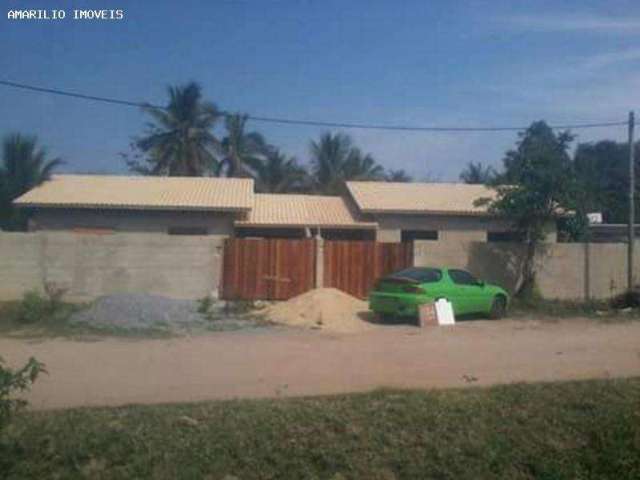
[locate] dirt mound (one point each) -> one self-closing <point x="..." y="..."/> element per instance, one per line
<point x="323" y="308"/>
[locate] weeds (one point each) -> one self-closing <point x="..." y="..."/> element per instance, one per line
<point x="16" y="381"/>
<point x="577" y="430"/>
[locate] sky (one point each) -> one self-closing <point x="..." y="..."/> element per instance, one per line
<point x="422" y="63"/>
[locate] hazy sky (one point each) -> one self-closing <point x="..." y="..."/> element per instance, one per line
<point x="385" y="62"/>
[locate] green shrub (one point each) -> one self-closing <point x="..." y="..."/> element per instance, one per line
<point x="205" y="304"/>
<point x="13" y="381"/>
<point x="33" y="308"/>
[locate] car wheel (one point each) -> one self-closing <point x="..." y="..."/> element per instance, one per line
<point x="384" y="318"/>
<point x="498" y="307"/>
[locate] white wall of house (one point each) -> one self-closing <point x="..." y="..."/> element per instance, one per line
<point x="449" y="227"/>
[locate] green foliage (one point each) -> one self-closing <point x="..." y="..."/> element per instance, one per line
<point x="398" y="176"/>
<point x="602" y="172"/>
<point x="278" y="174"/>
<point x="571" y="430"/>
<point x="24" y="166"/>
<point x="205" y="304"/>
<point x="537" y="183"/>
<point x="179" y="139"/>
<point x="477" y="173"/>
<point x="242" y="152"/>
<point x="335" y="160"/>
<point x="35" y="308"/>
<point x="205" y="307"/>
<point x="14" y="381"/>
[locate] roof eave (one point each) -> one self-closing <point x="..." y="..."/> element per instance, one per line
<point x="427" y="212"/>
<point x="172" y="208"/>
<point x="364" y="226"/>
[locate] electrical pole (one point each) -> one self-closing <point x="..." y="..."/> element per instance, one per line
<point x="632" y="209"/>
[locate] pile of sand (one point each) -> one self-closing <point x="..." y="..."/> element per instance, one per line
<point x="327" y="309"/>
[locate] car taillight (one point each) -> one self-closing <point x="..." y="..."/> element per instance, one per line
<point x="414" y="289"/>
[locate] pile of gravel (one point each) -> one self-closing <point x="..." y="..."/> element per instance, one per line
<point x="144" y="311"/>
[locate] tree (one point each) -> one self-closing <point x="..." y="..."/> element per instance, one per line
<point x="398" y="176"/>
<point x="24" y="166"/>
<point x="360" y="166"/>
<point x="279" y="174"/>
<point x="477" y="173"/>
<point x="334" y="160"/>
<point x="242" y="151"/>
<point x="536" y="183"/>
<point x="602" y="171"/>
<point x="179" y="140"/>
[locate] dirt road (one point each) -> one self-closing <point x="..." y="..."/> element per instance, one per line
<point x="273" y="363"/>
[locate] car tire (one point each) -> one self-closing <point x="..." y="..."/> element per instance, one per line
<point x="383" y="318"/>
<point x="498" y="307"/>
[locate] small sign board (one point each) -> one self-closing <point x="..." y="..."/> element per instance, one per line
<point x="427" y="315"/>
<point x="594" y="218"/>
<point x="434" y="314"/>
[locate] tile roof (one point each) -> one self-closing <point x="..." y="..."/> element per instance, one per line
<point x="285" y="210"/>
<point x="141" y="193"/>
<point x="419" y="198"/>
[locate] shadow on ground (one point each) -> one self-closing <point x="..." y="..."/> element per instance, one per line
<point x="390" y="320"/>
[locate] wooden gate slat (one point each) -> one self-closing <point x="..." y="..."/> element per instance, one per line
<point x="268" y="269"/>
<point x="354" y="266"/>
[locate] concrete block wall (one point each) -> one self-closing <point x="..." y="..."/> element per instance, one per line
<point x="566" y="271"/>
<point x="93" y="265"/>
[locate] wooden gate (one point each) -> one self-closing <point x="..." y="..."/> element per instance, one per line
<point x="267" y="269"/>
<point x="354" y="266"/>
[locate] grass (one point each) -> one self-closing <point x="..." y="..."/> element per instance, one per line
<point x="574" y="430"/>
<point x="597" y="309"/>
<point x="56" y="324"/>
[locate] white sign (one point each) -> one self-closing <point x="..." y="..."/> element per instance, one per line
<point x="595" y="217"/>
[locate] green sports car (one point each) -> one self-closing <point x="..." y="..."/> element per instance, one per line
<point x="401" y="293"/>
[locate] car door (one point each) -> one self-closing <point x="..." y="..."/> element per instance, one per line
<point x="467" y="292"/>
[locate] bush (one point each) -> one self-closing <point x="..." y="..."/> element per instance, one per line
<point x="629" y="299"/>
<point x="12" y="381"/>
<point x="33" y="308"/>
<point x="205" y="304"/>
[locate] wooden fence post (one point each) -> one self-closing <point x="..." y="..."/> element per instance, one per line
<point x="319" y="261"/>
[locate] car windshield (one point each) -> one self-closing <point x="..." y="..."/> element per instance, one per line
<point x="420" y="275"/>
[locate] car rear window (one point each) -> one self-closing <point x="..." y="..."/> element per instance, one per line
<point x="421" y="275"/>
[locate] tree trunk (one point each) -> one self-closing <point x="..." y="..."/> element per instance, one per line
<point x="528" y="274"/>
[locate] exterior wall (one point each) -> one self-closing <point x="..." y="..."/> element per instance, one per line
<point x="456" y="228"/>
<point x="93" y="265"/>
<point x="566" y="271"/>
<point x="148" y="221"/>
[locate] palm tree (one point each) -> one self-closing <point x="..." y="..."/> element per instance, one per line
<point x="398" y="176"/>
<point x="279" y="174"/>
<point x="180" y="141"/>
<point x="361" y="166"/>
<point x="477" y="173"/>
<point x="242" y="151"/>
<point x="335" y="160"/>
<point x="24" y="166"/>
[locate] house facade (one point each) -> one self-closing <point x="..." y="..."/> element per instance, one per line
<point x="382" y="211"/>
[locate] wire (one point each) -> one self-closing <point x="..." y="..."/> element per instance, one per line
<point x="288" y="121"/>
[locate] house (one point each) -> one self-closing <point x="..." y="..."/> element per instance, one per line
<point x="429" y="211"/>
<point x="387" y="212"/>
<point x="106" y="203"/>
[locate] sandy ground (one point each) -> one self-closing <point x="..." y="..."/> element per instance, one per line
<point x="293" y="362"/>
